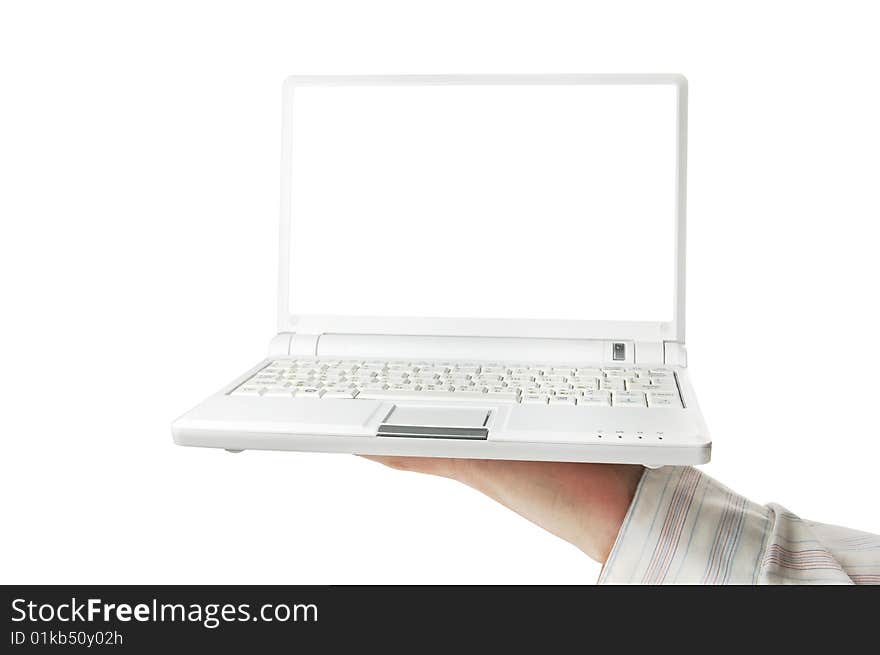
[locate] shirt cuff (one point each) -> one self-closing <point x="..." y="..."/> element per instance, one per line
<point x="683" y="527"/>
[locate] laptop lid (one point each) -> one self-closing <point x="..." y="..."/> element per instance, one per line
<point x="545" y="206"/>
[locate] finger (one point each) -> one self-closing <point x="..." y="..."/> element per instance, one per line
<point x="442" y="466"/>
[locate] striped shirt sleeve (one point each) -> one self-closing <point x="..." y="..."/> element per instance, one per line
<point x="683" y="527"/>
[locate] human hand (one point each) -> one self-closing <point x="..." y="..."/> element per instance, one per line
<point x="581" y="503"/>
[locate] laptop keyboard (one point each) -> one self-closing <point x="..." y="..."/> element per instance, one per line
<point x="591" y="386"/>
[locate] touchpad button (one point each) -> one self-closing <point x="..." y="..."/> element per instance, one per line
<point x="436" y="422"/>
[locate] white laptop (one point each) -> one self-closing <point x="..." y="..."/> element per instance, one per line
<point x="476" y="266"/>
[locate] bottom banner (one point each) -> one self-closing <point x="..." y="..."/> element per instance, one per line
<point x="281" y="618"/>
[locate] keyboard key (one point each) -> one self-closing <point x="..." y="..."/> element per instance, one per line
<point x="663" y="400"/>
<point x="469" y="393"/>
<point x="384" y="394"/>
<point x="499" y="398"/>
<point x="279" y="393"/>
<point x="309" y="392"/>
<point x="413" y="394"/>
<point x="595" y="399"/>
<point x="628" y="399"/>
<point x="617" y="372"/>
<point x="439" y="388"/>
<point x="340" y="393"/>
<point x="248" y="391"/>
<point x="502" y="393"/>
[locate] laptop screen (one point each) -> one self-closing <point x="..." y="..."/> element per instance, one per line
<point x="486" y="201"/>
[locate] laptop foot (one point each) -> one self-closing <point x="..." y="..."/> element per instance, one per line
<point x="231" y="450"/>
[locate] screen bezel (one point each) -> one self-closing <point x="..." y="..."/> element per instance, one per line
<point x="672" y="330"/>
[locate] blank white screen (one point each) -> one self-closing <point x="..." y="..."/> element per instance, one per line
<point x="495" y="201"/>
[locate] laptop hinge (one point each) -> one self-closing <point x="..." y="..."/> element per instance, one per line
<point x="299" y="345"/>
<point x="674" y="354"/>
<point x="280" y="344"/>
<point x="511" y="349"/>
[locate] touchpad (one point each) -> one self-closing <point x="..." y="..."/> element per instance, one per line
<point x="436" y="422"/>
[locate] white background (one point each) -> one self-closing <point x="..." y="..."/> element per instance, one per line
<point x="139" y="152"/>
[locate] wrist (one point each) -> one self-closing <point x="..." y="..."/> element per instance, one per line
<point x="623" y="480"/>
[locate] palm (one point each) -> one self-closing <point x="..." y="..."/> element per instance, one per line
<point x="581" y="503"/>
